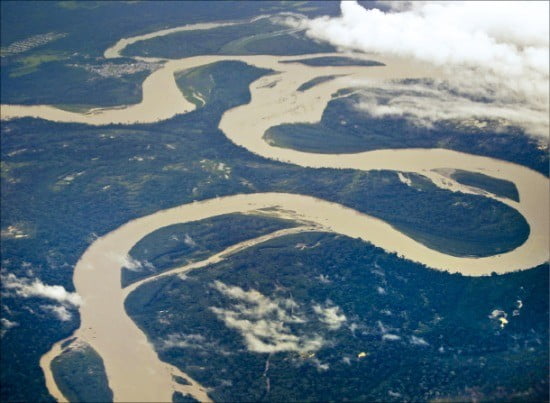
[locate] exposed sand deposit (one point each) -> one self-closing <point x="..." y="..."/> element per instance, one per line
<point x="281" y="103"/>
<point x="134" y="371"/>
<point x="163" y="100"/>
<point x="116" y="50"/>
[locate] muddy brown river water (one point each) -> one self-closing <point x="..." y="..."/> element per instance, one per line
<point x="133" y="368"/>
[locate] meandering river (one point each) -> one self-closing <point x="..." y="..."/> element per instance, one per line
<point x="133" y="369"/>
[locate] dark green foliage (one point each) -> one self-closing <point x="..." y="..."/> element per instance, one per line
<point x="345" y="129"/>
<point x="46" y="74"/>
<point x="438" y="218"/>
<point x="315" y="81"/>
<point x="335" y="61"/>
<point x="68" y="342"/>
<point x="292" y="43"/>
<point x="180" y="244"/>
<point x="499" y="187"/>
<point x="64" y="216"/>
<point x="78" y="86"/>
<point x="260" y="37"/>
<point x="180" y="380"/>
<point x="93" y="27"/>
<point x="80" y="375"/>
<point x="219" y="84"/>
<point x="448" y="346"/>
<point x="437" y="227"/>
<point x="181" y="398"/>
<point x="21" y="347"/>
<point x="110" y="186"/>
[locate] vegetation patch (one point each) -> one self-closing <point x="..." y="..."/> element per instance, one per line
<point x="335" y="61"/>
<point x="218" y="83"/>
<point x="134" y="170"/>
<point x="179" y="397"/>
<point x="80" y="374"/>
<point x="498" y="187"/>
<point x="181" y="244"/>
<point x="316" y="81"/>
<point x="81" y="88"/>
<point x="260" y="37"/>
<point x="346" y="129"/>
<point x="348" y="321"/>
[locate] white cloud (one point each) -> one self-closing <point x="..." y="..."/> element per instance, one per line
<point x="60" y="311"/>
<point x="325" y="279"/>
<point x="353" y="327"/>
<point x="261" y="305"/>
<point x="391" y="337"/>
<point x="265" y="323"/>
<point x="381" y="326"/>
<point x="35" y="288"/>
<point x="189" y="241"/>
<point x="194" y="341"/>
<point x="5" y="325"/>
<point x="419" y="341"/>
<point x="427" y="102"/>
<point x="184" y="341"/>
<point x="330" y="316"/>
<point x="490" y="34"/>
<point x="8" y="324"/>
<point x="501" y="317"/>
<point x="130" y="263"/>
<point x="321" y="366"/>
<point x="498" y="48"/>
<point x="498" y="313"/>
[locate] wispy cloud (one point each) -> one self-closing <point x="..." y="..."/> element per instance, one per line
<point x="469" y="101"/>
<point x="184" y="340"/>
<point x="265" y="323"/>
<point x="5" y="325"/>
<point x="8" y="324"/>
<point x="189" y="241"/>
<point x="26" y="288"/>
<point x="130" y="263"/>
<point x="331" y="316"/>
<point x="500" y="49"/>
<point x="60" y="311"/>
<point x="489" y="34"/>
<point x="176" y="340"/>
<point x="195" y="341"/>
<point x="325" y="279"/>
<point x="321" y="366"/>
<point x="419" y="341"/>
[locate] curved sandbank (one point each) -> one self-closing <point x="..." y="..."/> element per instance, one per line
<point x="134" y="371"/>
<point x="162" y="99"/>
<point x="127" y="356"/>
<point x="116" y="50"/>
<point x="281" y="103"/>
<point x="227" y="252"/>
